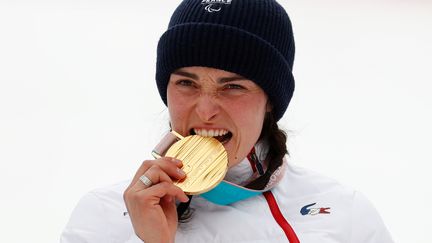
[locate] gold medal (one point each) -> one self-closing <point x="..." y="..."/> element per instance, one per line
<point x="205" y="162"/>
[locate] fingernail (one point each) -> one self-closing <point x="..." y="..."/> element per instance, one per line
<point x="176" y="161"/>
<point x="181" y="172"/>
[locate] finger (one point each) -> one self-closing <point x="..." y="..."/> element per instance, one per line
<point x="170" y="165"/>
<point x="156" y="175"/>
<point x="170" y="210"/>
<point x="166" y="189"/>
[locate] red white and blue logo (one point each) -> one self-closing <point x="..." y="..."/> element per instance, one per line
<point x="308" y="210"/>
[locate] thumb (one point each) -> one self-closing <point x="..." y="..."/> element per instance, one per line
<point x="169" y="207"/>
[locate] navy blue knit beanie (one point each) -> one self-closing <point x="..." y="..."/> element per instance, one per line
<point x="252" y="38"/>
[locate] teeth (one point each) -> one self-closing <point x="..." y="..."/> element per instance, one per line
<point x="210" y="132"/>
<point x="220" y="132"/>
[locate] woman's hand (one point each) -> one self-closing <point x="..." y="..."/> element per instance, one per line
<point x="152" y="210"/>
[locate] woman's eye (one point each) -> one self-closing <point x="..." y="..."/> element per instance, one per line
<point x="185" y="82"/>
<point x="234" y="86"/>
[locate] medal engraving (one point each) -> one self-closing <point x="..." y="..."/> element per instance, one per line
<point x="205" y="162"/>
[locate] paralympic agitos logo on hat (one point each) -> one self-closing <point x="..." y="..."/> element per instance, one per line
<point x="214" y="5"/>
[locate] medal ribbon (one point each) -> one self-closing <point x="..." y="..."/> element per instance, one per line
<point x="227" y="192"/>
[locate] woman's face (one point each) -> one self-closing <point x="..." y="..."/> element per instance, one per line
<point x="220" y="104"/>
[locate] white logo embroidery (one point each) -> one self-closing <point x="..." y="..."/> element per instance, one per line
<point x="214" y="5"/>
<point x="276" y="176"/>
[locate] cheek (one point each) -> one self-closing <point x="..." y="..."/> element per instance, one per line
<point x="249" y="113"/>
<point x="248" y="117"/>
<point x="175" y="115"/>
<point x="175" y="107"/>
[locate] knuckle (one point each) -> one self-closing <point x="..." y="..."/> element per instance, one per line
<point x="146" y="164"/>
<point x="168" y="167"/>
<point x="127" y="195"/>
<point x="138" y="197"/>
<point x="167" y="161"/>
<point x="135" y="197"/>
<point x="155" y="168"/>
<point x="165" y="185"/>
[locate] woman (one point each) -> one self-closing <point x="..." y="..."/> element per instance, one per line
<point x="224" y="70"/>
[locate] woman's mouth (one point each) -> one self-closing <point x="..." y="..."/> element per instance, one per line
<point x="222" y="135"/>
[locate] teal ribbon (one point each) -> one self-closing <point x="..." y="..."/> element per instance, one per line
<point x="227" y="193"/>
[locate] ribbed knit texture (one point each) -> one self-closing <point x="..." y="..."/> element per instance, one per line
<point x="252" y="38"/>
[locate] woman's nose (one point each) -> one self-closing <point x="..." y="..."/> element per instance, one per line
<point x="207" y="107"/>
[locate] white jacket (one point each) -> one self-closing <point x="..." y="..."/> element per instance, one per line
<point x="317" y="208"/>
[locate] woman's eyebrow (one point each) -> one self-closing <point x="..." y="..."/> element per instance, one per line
<point x="229" y="79"/>
<point x="186" y="74"/>
<point x="195" y="77"/>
